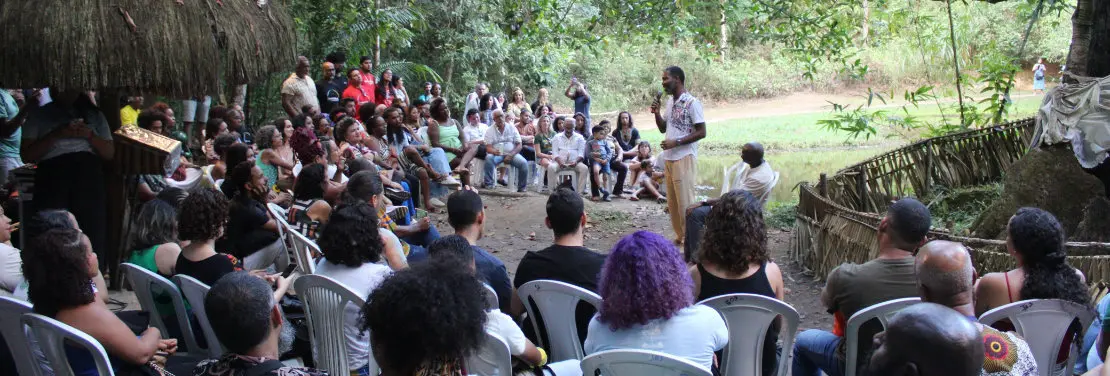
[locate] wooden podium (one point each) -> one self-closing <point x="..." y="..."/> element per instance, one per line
<point x="142" y="152"/>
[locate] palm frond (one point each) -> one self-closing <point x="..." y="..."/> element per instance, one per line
<point x="412" y="72"/>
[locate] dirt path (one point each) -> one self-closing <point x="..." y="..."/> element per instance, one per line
<point x="516" y="225"/>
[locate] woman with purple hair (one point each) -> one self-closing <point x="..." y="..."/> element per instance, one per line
<point x="648" y="304"/>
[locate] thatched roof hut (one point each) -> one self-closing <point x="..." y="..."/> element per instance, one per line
<point x="177" y="48"/>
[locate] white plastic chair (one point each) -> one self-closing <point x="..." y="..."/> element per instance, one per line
<point x="882" y="312"/>
<point x="770" y="187"/>
<point x="730" y="174"/>
<point x="748" y="318"/>
<point x="556" y="302"/>
<point x="142" y="281"/>
<point x="194" y="291"/>
<point x="1044" y="325"/>
<point x="640" y="363"/>
<point x="52" y="335"/>
<point x="491" y="297"/>
<point x="325" y="300"/>
<point x="303" y="249"/>
<point x="11" y="326"/>
<point x="492" y="358"/>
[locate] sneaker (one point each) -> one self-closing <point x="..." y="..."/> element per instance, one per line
<point x="450" y="182"/>
<point x="503" y="182"/>
<point x="436" y="202"/>
<point x="521" y="190"/>
<point x="605" y="196"/>
<point x="396" y="195"/>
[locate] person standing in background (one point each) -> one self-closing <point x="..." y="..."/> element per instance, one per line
<point x="298" y="90"/>
<point x="129" y="114"/>
<point x="329" y="89"/>
<point x="70" y="140"/>
<point x="13" y="114"/>
<point x="683" y="123"/>
<point x="577" y="92"/>
<point x="1038" y="76"/>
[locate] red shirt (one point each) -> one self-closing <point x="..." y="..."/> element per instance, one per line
<point x="368" y="86"/>
<point x="360" y="95"/>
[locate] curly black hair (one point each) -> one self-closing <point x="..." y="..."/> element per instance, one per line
<point x="202" y="215"/>
<point x="1039" y="238"/>
<point x="431" y="311"/>
<point x="222" y="142"/>
<point x="351" y="237"/>
<point x="56" y="267"/>
<point x="47" y="220"/>
<point x="310" y="183"/>
<point x="734" y="233"/>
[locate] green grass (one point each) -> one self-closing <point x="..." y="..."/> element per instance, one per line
<point x="801" y="131"/>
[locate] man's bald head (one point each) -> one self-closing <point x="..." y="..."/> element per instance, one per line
<point x="752" y="154"/>
<point x="945" y="273"/>
<point x="928" y="339"/>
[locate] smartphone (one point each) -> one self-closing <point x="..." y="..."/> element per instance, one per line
<point x="288" y="270"/>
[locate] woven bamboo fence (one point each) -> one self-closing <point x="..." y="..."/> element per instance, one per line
<point x="957" y="160"/>
<point x="837" y="220"/>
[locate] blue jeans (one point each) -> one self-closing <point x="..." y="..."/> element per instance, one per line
<point x="438" y="161"/>
<point x="815" y="350"/>
<point x="518" y="161"/>
<point x="423" y="238"/>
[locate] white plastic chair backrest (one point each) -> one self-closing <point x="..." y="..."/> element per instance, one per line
<point x="303" y="249"/>
<point x="490" y="296"/>
<point x="882" y="312"/>
<point x="730" y="174"/>
<point x="195" y="291"/>
<point x="325" y="300"/>
<point x="52" y="336"/>
<point x="492" y="358"/>
<point x="556" y="302"/>
<point x="11" y="327"/>
<point x="279" y="213"/>
<point x="1043" y="323"/>
<point x="639" y="363"/>
<point x="748" y="318"/>
<point x="142" y="281"/>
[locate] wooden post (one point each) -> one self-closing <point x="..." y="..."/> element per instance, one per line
<point x="115" y="200"/>
<point x="928" y="165"/>
<point x="823" y="185"/>
<point x="861" y="189"/>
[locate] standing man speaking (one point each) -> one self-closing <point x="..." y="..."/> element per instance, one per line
<point x="683" y="124"/>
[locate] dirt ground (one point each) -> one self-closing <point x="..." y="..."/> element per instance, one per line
<point x="515" y="225"/>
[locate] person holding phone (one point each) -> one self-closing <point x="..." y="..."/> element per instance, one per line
<point x="69" y="138"/>
<point x="577" y="92"/>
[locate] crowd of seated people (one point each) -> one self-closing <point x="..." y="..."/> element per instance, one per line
<point x="358" y="178"/>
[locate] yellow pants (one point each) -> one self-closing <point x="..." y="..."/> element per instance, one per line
<point x="680" y="177"/>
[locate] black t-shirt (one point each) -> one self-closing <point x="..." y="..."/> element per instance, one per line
<point x="578" y="266"/>
<point x="245" y="233"/>
<point x="329" y="93"/>
<point x="633" y="142"/>
<point x="208" y="270"/>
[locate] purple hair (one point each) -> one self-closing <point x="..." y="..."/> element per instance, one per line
<point x="643" y="279"/>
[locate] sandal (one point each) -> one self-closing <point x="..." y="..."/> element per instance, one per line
<point x="633" y="198"/>
<point x="661" y="200"/>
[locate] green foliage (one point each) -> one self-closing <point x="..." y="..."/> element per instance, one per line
<point x="957" y="209"/>
<point x="780" y="214"/>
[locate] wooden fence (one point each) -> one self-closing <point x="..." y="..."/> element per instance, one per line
<point x="837" y="220"/>
<point x="957" y="160"/>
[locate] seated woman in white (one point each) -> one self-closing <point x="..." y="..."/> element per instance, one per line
<point x="647" y="304"/>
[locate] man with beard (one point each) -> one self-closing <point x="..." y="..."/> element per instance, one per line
<point x="252" y="236"/>
<point x="248" y="322"/>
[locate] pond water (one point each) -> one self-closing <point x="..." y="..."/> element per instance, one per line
<point x="793" y="167"/>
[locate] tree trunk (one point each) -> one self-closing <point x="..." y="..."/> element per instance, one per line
<point x="377" y="38"/>
<point x="865" y="28"/>
<point x="1090" y="42"/>
<point x="723" y="43"/>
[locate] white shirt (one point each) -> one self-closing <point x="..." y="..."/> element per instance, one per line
<point x="503" y="141"/>
<point x="755" y="180"/>
<point x="501" y="324"/>
<point x="568" y="149"/>
<point x="681" y="115"/>
<point x="363" y="280"/>
<point x="694" y="333"/>
<point x="11" y="270"/>
<point x="303" y="91"/>
<point x="475" y="132"/>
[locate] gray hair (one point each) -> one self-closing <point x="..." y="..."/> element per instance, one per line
<point x="498" y="112"/>
<point x="265" y="138"/>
